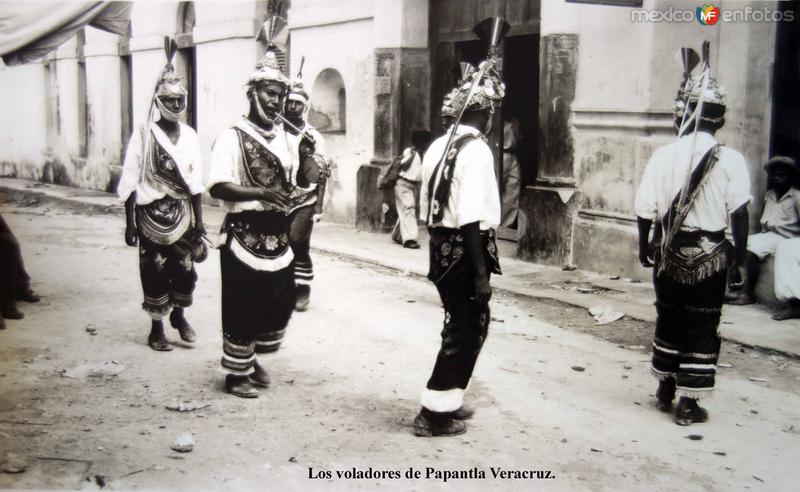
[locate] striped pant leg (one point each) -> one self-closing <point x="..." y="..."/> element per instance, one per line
<point x="700" y="348"/>
<point x="279" y="303"/>
<point x="300" y="229"/>
<point x="686" y="343"/>
<point x="669" y="329"/>
<point x="238" y="344"/>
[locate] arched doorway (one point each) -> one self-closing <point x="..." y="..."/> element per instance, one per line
<point x="328" y="112"/>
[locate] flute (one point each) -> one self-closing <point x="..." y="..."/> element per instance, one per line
<point x="293" y="127"/>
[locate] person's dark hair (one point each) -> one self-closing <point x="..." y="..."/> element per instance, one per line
<point x="786" y="163"/>
<point x="420" y="138"/>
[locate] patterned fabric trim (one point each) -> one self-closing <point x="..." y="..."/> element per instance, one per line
<point x="157" y="308"/>
<point x="237" y="350"/>
<point x="164" y="221"/>
<point x="661" y="375"/>
<point x="692" y="265"/>
<point x="303" y="272"/>
<point x="261" y="264"/>
<point x="236" y="368"/>
<point x="303" y="197"/>
<point x="695" y="393"/>
<point x="447" y="250"/>
<point x="181" y="300"/>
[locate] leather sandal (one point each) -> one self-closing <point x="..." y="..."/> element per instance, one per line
<point x="259" y="377"/>
<point x="463" y="413"/>
<point x="665" y="394"/>
<point x="439" y="425"/>
<point x="160" y="344"/>
<point x="242" y="388"/>
<point x="185" y="330"/>
<point x="688" y="412"/>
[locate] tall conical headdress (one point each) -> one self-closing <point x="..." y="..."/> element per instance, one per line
<point x="169" y="83"/>
<point x="700" y="97"/>
<point x="481" y="88"/>
<point x="492" y="30"/>
<point x="275" y="36"/>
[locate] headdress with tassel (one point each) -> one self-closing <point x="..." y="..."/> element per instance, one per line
<point x="700" y="97"/>
<point x="168" y="84"/>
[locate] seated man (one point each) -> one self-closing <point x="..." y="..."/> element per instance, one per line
<point x="780" y="222"/>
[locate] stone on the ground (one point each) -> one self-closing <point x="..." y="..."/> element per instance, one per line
<point x="183" y="443"/>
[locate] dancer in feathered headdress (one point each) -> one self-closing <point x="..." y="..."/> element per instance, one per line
<point x="161" y="184"/>
<point x="460" y="204"/>
<point x="311" y="180"/>
<point x="253" y="169"/>
<point x="694" y="188"/>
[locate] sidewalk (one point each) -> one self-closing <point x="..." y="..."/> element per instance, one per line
<point x="748" y="325"/>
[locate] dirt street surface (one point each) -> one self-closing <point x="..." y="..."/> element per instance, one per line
<point x="84" y="400"/>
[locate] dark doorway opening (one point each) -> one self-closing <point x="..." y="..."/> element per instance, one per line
<point x="785" y="136"/>
<point x="521" y="76"/>
<point x="514" y="145"/>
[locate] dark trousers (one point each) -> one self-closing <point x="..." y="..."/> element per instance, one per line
<point x="13" y="277"/>
<point x="686" y="343"/>
<point x="466" y="325"/>
<point x="168" y="276"/>
<point x="300" y="225"/>
<point x="256" y="307"/>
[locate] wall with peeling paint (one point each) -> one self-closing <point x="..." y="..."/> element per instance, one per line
<point x="23" y="129"/>
<point x="627" y="78"/>
<point x="347" y="47"/>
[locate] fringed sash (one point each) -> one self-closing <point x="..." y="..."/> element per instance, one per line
<point x="689" y="257"/>
<point x="695" y="256"/>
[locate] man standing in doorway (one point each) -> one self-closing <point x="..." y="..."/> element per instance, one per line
<point x="406" y="230"/>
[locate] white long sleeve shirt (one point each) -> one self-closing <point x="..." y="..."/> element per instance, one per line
<point x="474" y="196"/>
<point x="185" y="153"/>
<point x="726" y="189"/>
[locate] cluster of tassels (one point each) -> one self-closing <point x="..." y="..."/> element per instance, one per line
<point x="716" y="262"/>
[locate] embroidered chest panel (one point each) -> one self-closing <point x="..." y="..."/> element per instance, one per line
<point x="165" y="169"/>
<point x="261" y="167"/>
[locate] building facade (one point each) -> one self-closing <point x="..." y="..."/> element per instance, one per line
<point x="590" y="83"/>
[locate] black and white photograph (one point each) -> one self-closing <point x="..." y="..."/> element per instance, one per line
<point x="416" y="245"/>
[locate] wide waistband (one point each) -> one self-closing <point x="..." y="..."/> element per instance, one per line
<point x="446" y="231"/>
<point x="693" y="237"/>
